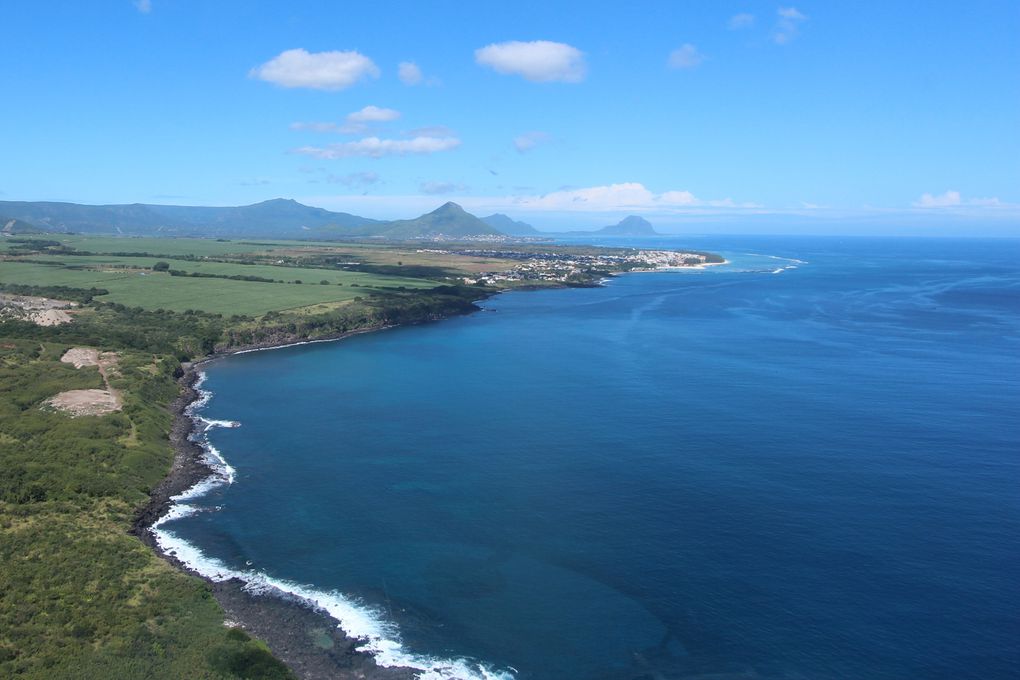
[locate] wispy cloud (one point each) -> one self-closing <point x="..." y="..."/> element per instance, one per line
<point x="948" y="199"/>
<point x="787" y="25"/>
<point x="409" y="73"/>
<point x="356" y="123"/>
<point x="686" y="56"/>
<point x="529" y="140"/>
<point x="257" y="182"/>
<point x="436" y="188"/>
<point x="373" y="114"/>
<point x="540" y="61"/>
<point x="374" y="147"/>
<point x="316" y="70"/>
<point x="626" y="196"/>
<point x="143" y="6"/>
<point x="953" y="199"/>
<point x="740" y="21"/>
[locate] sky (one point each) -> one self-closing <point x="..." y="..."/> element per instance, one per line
<point x="742" y="117"/>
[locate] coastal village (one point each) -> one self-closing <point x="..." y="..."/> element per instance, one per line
<point x="567" y="267"/>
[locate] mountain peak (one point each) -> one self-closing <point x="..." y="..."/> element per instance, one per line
<point x="509" y="226"/>
<point x="632" y="225"/>
<point x="449" y="207"/>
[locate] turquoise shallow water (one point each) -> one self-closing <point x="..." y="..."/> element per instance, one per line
<point x="805" y="473"/>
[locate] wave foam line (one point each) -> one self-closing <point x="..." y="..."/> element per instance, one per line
<point x="380" y="637"/>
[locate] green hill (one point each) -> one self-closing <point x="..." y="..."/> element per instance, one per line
<point x="510" y="226"/>
<point x="9" y="226"/>
<point x="275" y="218"/>
<point x="278" y="218"/>
<point x="449" y="220"/>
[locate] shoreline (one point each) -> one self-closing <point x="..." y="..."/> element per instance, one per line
<point x="300" y="633"/>
<point x="304" y="637"/>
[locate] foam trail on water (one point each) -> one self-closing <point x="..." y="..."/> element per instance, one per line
<point x="381" y="638"/>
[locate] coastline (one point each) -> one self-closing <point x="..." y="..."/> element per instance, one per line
<point x="304" y="637"/>
<point x="299" y="632"/>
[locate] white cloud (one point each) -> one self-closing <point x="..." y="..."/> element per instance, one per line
<point x="948" y="199"/>
<point x="787" y="25"/>
<point x="953" y="199"/>
<point x="529" y="140"/>
<point x="740" y="21"/>
<point x="678" y="198"/>
<point x="434" y="188"/>
<point x="357" y="122"/>
<point x="409" y="73"/>
<point x="143" y="6"/>
<point x="626" y="196"/>
<point x="685" y="56"/>
<point x="374" y="147"/>
<point x="373" y="114"/>
<point x="316" y="70"/>
<point x="539" y="61"/>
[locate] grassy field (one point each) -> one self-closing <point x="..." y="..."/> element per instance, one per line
<point x="300" y="275"/>
<point x="287" y="274"/>
<point x="151" y="290"/>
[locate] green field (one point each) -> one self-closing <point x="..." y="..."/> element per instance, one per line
<point x="151" y="290"/>
<point x="173" y="247"/>
<point x="266" y="271"/>
<point x="131" y="281"/>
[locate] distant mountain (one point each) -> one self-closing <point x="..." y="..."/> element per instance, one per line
<point x="10" y="226"/>
<point x="278" y="218"/>
<point x="448" y="219"/>
<point x="510" y="227"/>
<point x="629" y="226"/>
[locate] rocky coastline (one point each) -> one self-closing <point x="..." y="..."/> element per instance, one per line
<point x="303" y="637"/>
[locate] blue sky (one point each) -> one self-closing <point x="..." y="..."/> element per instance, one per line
<point x="869" y="117"/>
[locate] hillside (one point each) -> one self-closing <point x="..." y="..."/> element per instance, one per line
<point x="510" y="226"/>
<point x="10" y="226"/>
<point x="278" y="218"/>
<point x="448" y="220"/>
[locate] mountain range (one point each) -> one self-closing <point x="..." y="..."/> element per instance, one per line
<point x="276" y="218"/>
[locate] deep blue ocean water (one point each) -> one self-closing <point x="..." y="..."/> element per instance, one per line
<point x="806" y="473"/>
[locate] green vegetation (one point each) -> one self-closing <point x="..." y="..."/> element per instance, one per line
<point x="276" y="218"/>
<point x="181" y="280"/>
<point x="79" y="597"/>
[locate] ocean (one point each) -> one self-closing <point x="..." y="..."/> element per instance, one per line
<point x="804" y="464"/>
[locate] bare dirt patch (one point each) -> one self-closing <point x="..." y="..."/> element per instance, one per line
<point x="39" y="310"/>
<point x="85" y="402"/>
<point x="88" y="402"/>
<point x="81" y="356"/>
